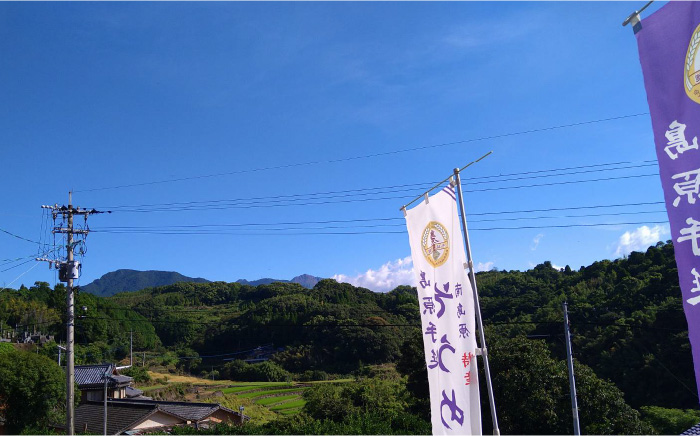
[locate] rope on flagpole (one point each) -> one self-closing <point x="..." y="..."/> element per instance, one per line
<point x="438" y="184"/>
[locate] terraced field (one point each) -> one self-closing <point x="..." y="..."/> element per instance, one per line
<point x="283" y="398"/>
<point x="263" y="401"/>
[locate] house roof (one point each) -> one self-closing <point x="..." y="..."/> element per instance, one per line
<point x="121" y="379"/>
<point x="89" y="417"/>
<point x="93" y="376"/>
<point x="184" y="410"/>
<point x="123" y="415"/>
<point x="694" y="430"/>
<point x="133" y="392"/>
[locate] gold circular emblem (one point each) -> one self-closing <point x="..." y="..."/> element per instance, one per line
<point x="691" y="78"/>
<point x="436" y="243"/>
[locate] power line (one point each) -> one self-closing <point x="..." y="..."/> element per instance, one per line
<point x="18" y="237"/>
<point x="137" y="229"/>
<point x="211" y="232"/>
<point x="413" y="186"/>
<point x="416" y="325"/>
<point x="376" y="190"/>
<point x="362" y="220"/>
<point x="247" y="203"/>
<point x="15" y="279"/>
<point x="367" y="156"/>
<point x="28" y="259"/>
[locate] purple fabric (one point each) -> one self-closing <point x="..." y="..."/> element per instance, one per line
<point x="664" y="42"/>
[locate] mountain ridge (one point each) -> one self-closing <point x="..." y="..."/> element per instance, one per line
<point x="130" y="280"/>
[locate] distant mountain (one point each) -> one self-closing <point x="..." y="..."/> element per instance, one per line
<point x="128" y="280"/>
<point x="125" y="280"/>
<point x="306" y="280"/>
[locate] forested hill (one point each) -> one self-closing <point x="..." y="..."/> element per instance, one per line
<point x="626" y="319"/>
<point x="124" y="280"/>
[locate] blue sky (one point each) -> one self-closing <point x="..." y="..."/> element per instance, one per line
<point x="265" y="103"/>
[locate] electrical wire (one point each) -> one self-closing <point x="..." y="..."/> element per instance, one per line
<point x="344" y="193"/>
<point x="212" y="232"/>
<point x="136" y="229"/>
<point x="248" y="203"/>
<point x="16" y="278"/>
<point x="384" y="219"/>
<point x="367" y="156"/>
<point x="393" y="188"/>
<point x="19" y="237"/>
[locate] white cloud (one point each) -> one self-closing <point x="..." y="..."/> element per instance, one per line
<point x="640" y="239"/>
<point x="385" y="278"/>
<point x="484" y="266"/>
<point x="473" y="35"/>
<point x="536" y="241"/>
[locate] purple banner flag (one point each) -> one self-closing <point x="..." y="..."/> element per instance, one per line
<point x="669" y="51"/>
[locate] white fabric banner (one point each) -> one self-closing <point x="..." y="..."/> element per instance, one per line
<point x="447" y="314"/>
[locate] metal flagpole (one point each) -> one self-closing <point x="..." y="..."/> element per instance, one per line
<point x="477" y="307"/>
<point x="634" y="16"/>
<point x="570" y="363"/>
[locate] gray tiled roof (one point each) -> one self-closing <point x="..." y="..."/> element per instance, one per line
<point x="133" y="392"/>
<point x="190" y="412"/>
<point x="89" y="416"/>
<point x="694" y="430"/>
<point x="121" y="379"/>
<point x="122" y="414"/>
<point x="185" y="410"/>
<point x="91" y="374"/>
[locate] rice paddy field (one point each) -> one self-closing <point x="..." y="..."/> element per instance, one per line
<point x="263" y="401"/>
<point x="281" y="398"/>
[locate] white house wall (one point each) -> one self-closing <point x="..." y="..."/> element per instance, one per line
<point x="159" y="419"/>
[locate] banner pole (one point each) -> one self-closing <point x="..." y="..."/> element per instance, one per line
<point x="634" y="16"/>
<point x="477" y="307"/>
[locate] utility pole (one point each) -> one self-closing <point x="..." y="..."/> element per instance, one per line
<point x="68" y="271"/>
<point x="131" y="350"/>
<point x="106" y="376"/>
<point x="570" y="361"/>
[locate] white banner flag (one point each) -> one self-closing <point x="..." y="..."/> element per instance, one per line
<point x="447" y="314"/>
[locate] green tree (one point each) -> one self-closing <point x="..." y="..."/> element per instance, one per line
<point x="669" y="421"/>
<point x="139" y="374"/>
<point x="32" y="390"/>
<point x="6" y="347"/>
<point x="532" y="394"/>
<point x="327" y="401"/>
<point x="385" y="397"/>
